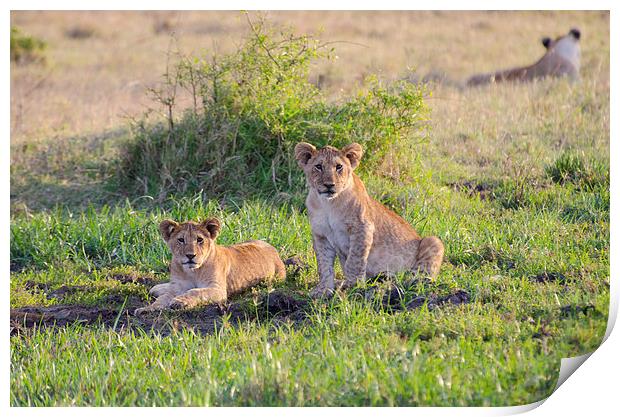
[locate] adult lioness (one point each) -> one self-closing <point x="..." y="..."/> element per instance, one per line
<point x="367" y="237"/>
<point x="562" y="58"/>
<point x="202" y="271"/>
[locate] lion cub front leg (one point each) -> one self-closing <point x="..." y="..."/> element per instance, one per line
<point x="160" y="289"/>
<point x="198" y="296"/>
<point x="165" y="293"/>
<point x="357" y="259"/>
<point x="325" y="258"/>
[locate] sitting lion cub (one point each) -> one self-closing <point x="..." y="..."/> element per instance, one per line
<point x="367" y="237"/>
<point x="203" y="272"/>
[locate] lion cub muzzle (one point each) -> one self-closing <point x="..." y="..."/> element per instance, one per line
<point x="328" y="190"/>
<point x="190" y="263"/>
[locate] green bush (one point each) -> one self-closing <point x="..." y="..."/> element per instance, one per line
<point x="249" y="110"/>
<point x="26" y="48"/>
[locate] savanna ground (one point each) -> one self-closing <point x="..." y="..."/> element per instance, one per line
<point x="513" y="178"/>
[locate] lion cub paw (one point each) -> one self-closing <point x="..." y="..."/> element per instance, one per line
<point x="183" y="301"/>
<point x="147" y="309"/>
<point x="347" y="284"/>
<point x="321" y="291"/>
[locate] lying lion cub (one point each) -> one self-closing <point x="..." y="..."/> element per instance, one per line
<point x="367" y="237"/>
<point x="203" y="272"/>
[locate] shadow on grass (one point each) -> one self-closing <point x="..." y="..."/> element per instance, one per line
<point x="279" y="306"/>
<point x="76" y="173"/>
<point x="114" y="308"/>
<point x="38" y="194"/>
<point x="72" y="171"/>
<point x="117" y="312"/>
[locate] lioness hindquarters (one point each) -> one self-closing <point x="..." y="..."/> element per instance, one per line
<point x="429" y="256"/>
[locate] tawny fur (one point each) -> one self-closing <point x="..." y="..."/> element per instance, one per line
<point x="562" y="58"/>
<point x="204" y="272"/>
<point x="367" y="237"/>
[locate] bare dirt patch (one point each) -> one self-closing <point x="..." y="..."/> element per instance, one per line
<point x="135" y="278"/>
<point x="34" y="286"/>
<point x="66" y="290"/>
<point x="456" y="298"/>
<point x="545" y="277"/>
<point x="62" y="315"/>
<point x="573" y="311"/>
<point x="117" y="310"/>
<point x="295" y="265"/>
<point x="398" y="297"/>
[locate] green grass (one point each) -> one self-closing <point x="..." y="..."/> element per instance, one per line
<point x="503" y="348"/>
<point x="515" y="185"/>
<point x="347" y="357"/>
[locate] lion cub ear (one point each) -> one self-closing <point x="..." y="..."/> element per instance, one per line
<point x="353" y="153"/>
<point x="303" y="152"/>
<point x="213" y="226"/>
<point x="167" y="228"/>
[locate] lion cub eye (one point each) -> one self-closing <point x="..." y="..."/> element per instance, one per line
<point x="318" y="167"/>
<point x="338" y="167"/>
<point x="181" y="240"/>
<point x="199" y="240"/>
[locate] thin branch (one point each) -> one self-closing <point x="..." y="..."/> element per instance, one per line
<point x="347" y="42"/>
<point x="260" y="42"/>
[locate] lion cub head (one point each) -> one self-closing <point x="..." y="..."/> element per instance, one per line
<point x="190" y="242"/>
<point x="328" y="170"/>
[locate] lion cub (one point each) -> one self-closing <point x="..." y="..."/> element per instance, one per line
<point x="203" y="272"/>
<point x="367" y="237"/>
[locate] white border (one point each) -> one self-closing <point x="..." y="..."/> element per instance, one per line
<point x="594" y="387"/>
<point x="309" y="5"/>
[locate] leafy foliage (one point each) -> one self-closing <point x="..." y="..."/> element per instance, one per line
<point x="26" y="48"/>
<point x="249" y="110"/>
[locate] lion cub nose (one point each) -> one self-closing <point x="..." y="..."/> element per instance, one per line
<point x="190" y="256"/>
<point x="329" y="185"/>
